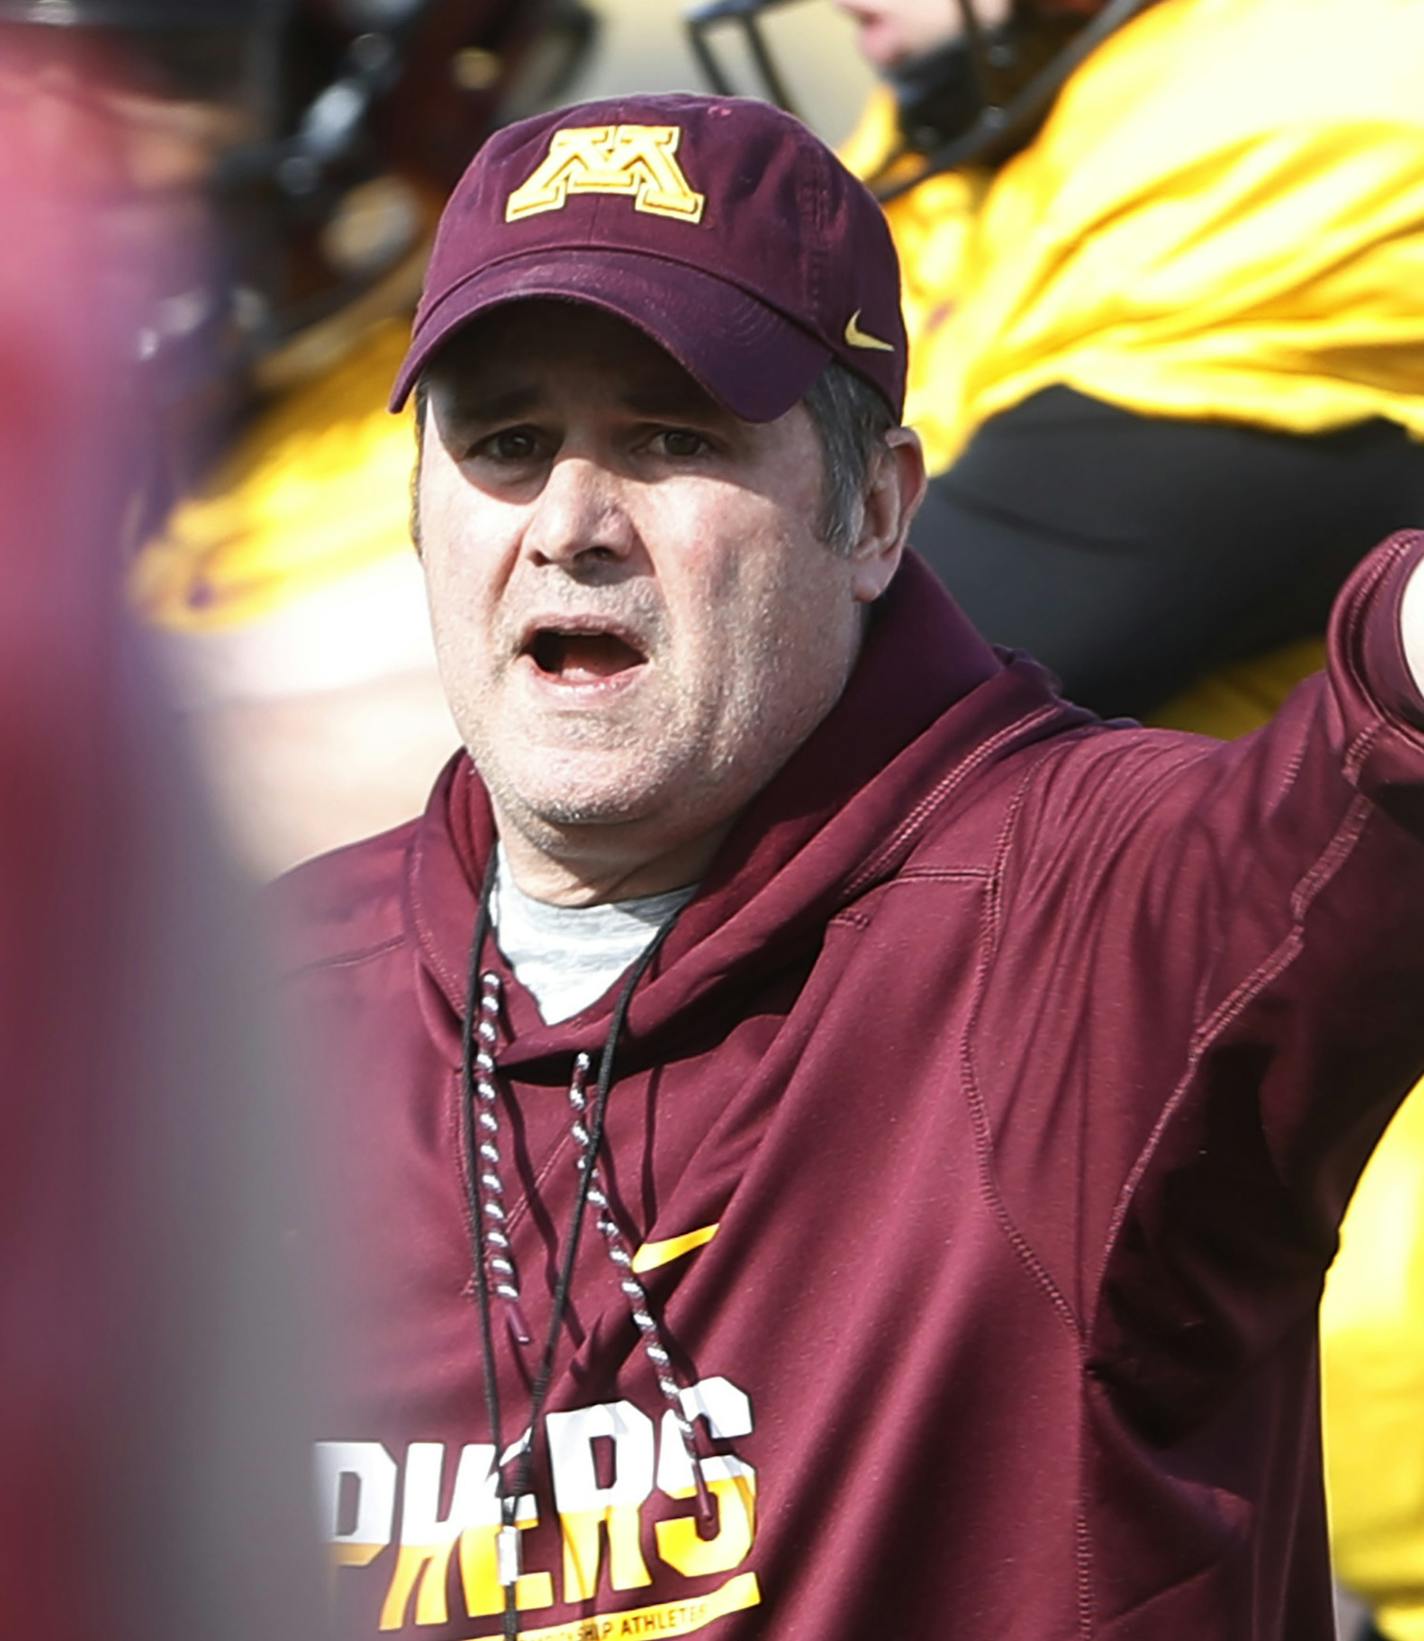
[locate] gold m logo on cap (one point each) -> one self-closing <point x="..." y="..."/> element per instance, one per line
<point x="610" y="159"/>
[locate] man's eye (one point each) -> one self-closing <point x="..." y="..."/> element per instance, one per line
<point x="681" y="442"/>
<point x="510" y="444"/>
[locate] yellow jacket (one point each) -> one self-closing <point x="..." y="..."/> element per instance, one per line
<point x="1222" y="218"/>
<point x="316" y="488"/>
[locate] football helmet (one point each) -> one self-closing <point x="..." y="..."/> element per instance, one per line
<point x="974" y="100"/>
<point x="284" y="160"/>
<point x="357" y="118"/>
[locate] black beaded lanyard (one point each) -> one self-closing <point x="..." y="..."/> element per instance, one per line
<point x="507" y="1551"/>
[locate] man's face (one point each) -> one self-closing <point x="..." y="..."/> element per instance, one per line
<point x="892" y="31"/>
<point x="635" y="617"/>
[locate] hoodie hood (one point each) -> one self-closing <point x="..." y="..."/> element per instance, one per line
<point x="927" y="699"/>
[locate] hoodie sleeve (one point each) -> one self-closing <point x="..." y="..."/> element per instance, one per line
<point x="1210" y="971"/>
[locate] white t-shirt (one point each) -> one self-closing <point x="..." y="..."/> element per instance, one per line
<point x="568" y="956"/>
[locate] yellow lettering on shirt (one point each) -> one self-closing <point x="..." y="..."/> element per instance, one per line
<point x="582" y="1531"/>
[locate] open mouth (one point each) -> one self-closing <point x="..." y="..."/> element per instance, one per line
<point x="579" y="657"/>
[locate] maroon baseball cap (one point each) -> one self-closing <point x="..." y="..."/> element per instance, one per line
<point x="719" y="226"/>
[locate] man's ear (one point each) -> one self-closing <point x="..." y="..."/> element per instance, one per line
<point x="896" y="487"/>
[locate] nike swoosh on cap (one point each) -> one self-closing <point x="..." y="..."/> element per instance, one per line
<point x="653" y="1254"/>
<point x="863" y="339"/>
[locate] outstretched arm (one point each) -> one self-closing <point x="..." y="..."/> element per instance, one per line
<point x="1215" y="972"/>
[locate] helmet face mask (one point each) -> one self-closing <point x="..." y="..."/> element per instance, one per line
<point x="973" y="100"/>
<point x="383" y="102"/>
<point x="707" y="20"/>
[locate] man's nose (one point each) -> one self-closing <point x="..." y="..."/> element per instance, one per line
<point x="580" y="518"/>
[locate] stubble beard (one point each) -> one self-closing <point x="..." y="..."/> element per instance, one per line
<point x="581" y="771"/>
<point x="687" y="759"/>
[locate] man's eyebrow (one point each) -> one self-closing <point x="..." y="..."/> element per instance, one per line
<point x="468" y="404"/>
<point x="664" y="401"/>
<point x="658" y="401"/>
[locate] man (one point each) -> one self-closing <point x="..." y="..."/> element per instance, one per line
<point x="846" y="1143"/>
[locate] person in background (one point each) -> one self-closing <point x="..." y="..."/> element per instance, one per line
<point x="1162" y="265"/>
<point x="157" y="1337"/>
<point x="283" y="588"/>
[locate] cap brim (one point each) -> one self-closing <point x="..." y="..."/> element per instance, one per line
<point x="751" y="359"/>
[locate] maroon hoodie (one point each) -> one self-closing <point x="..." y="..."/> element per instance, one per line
<point x="983" y="1124"/>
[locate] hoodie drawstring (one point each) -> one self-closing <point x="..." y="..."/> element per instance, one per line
<point x="636" y="1295"/>
<point x="505" y="1281"/>
<point x="493" y="1262"/>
